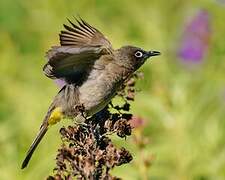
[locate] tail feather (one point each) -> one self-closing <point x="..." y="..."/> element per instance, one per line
<point x="53" y="116"/>
<point x="33" y="146"/>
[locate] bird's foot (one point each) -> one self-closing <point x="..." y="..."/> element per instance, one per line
<point x="80" y="120"/>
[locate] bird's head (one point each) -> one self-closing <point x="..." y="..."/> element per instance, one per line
<point x="133" y="57"/>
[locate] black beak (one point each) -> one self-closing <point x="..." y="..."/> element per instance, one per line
<point x="153" y="53"/>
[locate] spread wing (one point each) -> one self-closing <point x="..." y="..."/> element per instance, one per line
<point x="81" y="46"/>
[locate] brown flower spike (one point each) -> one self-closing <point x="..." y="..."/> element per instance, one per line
<point x="87" y="152"/>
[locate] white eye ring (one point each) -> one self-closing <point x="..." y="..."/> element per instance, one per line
<point x="138" y="54"/>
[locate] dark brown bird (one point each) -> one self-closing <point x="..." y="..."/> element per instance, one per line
<point x="93" y="72"/>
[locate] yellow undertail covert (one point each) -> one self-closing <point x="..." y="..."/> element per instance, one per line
<point x="56" y="116"/>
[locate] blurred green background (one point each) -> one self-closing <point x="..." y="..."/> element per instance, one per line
<point x="182" y="98"/>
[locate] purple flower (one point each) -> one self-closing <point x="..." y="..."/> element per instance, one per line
<point x="195" y="40"/>
<point x="60" y="83"/>
<point x="137" y="122"/>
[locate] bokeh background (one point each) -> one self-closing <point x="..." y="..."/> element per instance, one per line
<point x="181" y="105"/>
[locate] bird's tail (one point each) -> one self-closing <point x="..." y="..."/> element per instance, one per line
<point x="34" y="144"/>
<point x="53" y="116"/>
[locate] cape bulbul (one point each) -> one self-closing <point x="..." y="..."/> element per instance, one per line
<point x="93" y="72"/>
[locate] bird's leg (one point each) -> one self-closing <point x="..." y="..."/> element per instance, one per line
<point x="80" y="119"/>
<point x="81" y="116"/>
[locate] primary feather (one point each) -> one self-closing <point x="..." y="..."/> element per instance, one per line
<point x="81" y="46"/>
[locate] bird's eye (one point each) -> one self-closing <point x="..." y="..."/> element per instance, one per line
<point x="138" y="54"/>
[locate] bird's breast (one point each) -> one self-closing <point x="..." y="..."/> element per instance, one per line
<point x="97" y="91"/>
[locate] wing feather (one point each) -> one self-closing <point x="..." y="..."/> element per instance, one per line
<point x="83" y="34"/>
<point x="81" y="45"/>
